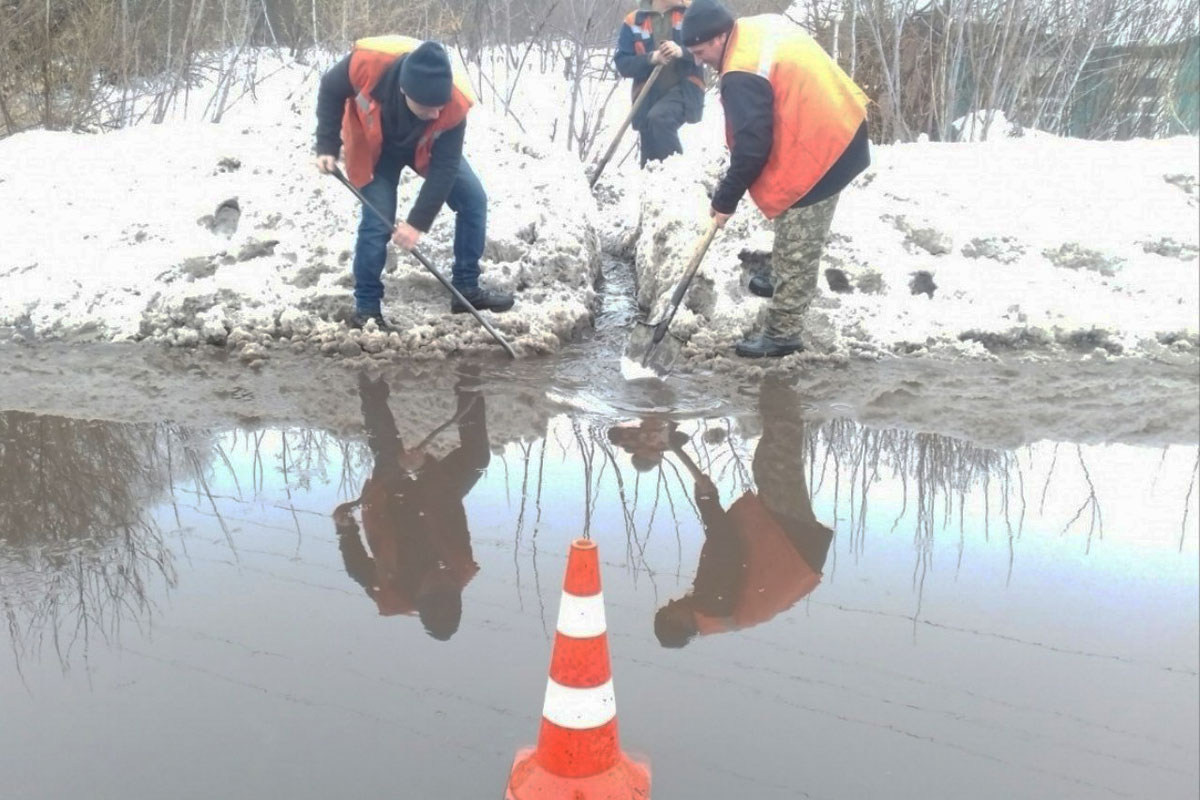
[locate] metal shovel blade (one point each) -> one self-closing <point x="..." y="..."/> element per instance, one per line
<point x="652" y="350"/>
<point x="645" y="358"/>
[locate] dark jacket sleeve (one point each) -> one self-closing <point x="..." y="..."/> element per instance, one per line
<point x="463" y="466"/>
<point x="335" y="90"/>
<point x="719" y="573"/>
<point x="443" y="169"/>
<point x="748" y="102"/>
<point x="629" y="64"/>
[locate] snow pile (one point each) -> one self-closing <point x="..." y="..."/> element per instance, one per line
<point x="1034" y="244"/>
<point x="983" y="126"/>
<point x="189" y="232"/>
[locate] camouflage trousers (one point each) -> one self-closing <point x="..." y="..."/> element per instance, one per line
<point x="800" y="235"/>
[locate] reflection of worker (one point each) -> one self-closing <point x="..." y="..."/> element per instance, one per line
<point x="647" y="441"/>
<point x="412" y="508"/>
<point x="767" y="550"/>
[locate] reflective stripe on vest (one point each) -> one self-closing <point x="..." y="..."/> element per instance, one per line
<point x="817" y="108"/>
<point x="644" y="33"/>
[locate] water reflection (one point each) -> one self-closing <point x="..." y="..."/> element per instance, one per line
<point x="78" y="551"/>
<point x="417" y="556"/>
<point x="84" y="505"/>
<point x="762" y="554"/>
<point x="719" y="523"/>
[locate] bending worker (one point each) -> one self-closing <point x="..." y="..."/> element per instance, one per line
<point x="767" y="550"/>
<point x="419" y="558"/>
<point x="648" y="37"/>
<point x="797" y="133"/>
<point x="393" y="103"/>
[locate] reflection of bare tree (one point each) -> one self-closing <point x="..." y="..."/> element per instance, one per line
<point x="944" y="483"/>
<point x="78" y="552"/>
<point x="1187" y="501"/>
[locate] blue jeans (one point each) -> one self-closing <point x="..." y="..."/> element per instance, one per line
<point x="468" y="201"/>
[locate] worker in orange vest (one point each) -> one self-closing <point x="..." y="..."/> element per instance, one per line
<point x="768" y="550"/>
<point x="395" y="102"/>
<point x="420" y="557"/>
<point x="650" y="36"/>
<point x="797" y="133"/>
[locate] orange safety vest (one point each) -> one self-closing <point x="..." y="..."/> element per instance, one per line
<point x="817" y="108"/>
<point x="644" y="33"/>
<point x="448" y="558"/>
<point x="774" y="574"/>
<point x="362" y="128"/>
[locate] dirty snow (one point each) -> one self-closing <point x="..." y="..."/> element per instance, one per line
<point x="191" y="232"/>
<point x="1034" y="244"/>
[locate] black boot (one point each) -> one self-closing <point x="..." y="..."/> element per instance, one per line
<point x="483" y="300"/>
<point x="361" y="318"/>
<point x="763" y="344"/>
<point x="761" y="285"/>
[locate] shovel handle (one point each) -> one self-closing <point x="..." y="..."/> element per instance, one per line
<point x="459" y="296"/>
<point x="686" y="281"/>
<point x="637" y="103"/>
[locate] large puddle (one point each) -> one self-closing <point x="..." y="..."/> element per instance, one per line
<point x="798" y="605"/>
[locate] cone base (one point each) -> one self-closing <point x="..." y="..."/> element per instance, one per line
<point x="629" y="779"/>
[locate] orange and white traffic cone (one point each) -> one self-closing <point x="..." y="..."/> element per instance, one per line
<point x="578" y="754"/>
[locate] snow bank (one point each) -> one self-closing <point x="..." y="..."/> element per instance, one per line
<point x="188" y="232"/>
<point x="1034" y="244"/>
<point x="1024" y="244"/>
<point x="983" y="126"/>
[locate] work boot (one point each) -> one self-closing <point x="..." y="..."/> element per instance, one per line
<point x="483" y="300"/>
<point x="763" y="344"/>
<point x="761" y="285"/>
<point x="361" y="318"/>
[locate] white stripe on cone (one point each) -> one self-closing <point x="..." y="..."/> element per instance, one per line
<point x="581" y="617"/>
<point x="579" y="709"/>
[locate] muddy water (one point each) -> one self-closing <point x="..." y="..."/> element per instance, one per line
<point x="798" y="605"/>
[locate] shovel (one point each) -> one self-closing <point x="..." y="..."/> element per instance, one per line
<point x="337" y="173"/>
<point x="646" y="346"/>
<point x="637" y="103"/>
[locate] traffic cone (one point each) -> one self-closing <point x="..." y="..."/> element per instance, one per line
<point x="578" y="754"/>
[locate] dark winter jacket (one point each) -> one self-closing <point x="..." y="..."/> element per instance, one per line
<point x="401" y="130"/>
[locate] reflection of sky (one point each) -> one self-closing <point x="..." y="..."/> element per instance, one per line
<point x="1133" y="567"/>
<point x="1125" y="589"/>
<point x="910" y="669"/>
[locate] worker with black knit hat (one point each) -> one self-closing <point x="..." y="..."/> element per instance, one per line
<point x="796" y="128"/>
<point x="394" y="102"/>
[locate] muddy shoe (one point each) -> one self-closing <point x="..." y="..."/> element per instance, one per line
<point x="483" y="300"/>
<point x="763" y="345"/>
<point x="361" y="318"/>
<point x="761" y="286"/>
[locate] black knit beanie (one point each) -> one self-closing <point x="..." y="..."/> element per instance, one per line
<point x="704" y="20"/>
<point x="425" y="75"/>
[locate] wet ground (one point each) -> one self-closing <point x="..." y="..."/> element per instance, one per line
<point x="349" y="586"/>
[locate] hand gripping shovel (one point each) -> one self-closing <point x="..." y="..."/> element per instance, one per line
<point x="646" y="346"/>
<point x="337" y="173"/>
<point x="637" y="103"/>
